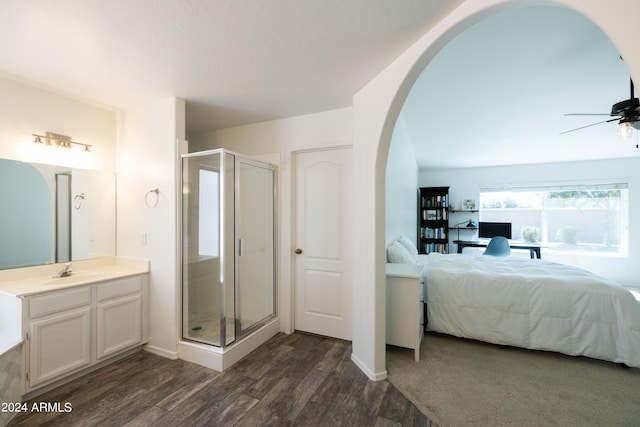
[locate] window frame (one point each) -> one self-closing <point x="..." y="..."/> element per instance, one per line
<point x="553" y="246"/>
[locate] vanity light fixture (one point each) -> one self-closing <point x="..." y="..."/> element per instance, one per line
<point x="58" y="140"/>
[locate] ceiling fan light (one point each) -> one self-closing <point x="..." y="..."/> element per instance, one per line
<point x="624" y="130"/>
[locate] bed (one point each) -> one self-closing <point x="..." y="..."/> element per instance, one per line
<point x="531" y="303"/>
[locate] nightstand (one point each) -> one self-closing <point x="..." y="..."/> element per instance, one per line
<point x="405" y="306"/>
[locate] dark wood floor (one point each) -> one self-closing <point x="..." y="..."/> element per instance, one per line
<point x="292" y="380"/>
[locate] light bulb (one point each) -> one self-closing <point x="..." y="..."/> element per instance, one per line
<point x="624" y="130"/>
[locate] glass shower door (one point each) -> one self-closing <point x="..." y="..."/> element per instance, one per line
<point x="256" y="250"/>
<point x="228" y="255"/>
<point x="202" y="249"/>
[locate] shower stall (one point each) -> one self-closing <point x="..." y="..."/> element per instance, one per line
<point x="228" y="249"/>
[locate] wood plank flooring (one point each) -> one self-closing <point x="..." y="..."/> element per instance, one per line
<point x="292" y="380"/>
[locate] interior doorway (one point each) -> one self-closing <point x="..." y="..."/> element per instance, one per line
<point x="322" y="239"/>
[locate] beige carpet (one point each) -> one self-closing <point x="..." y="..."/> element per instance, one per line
<point x="461" y="382"/>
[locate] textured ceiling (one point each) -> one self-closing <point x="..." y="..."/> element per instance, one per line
<point x="496" y="94"/>
<point x="235" y="62"/>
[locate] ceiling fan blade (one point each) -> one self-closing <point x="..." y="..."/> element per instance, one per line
<point x="587" y="114"/>
<point x="587" y="126"/>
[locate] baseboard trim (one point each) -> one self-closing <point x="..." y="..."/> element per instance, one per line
<point x="160" y="351"/>
<point x="61" y="381"/>
<point x="220" y="359"/>
<point x="373" y="376"/>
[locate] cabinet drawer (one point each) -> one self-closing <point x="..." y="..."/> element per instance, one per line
<point x="118" y="288"/>
<point x="54" y="302"/>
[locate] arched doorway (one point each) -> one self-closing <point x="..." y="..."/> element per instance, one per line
<point x="376" y="110"/>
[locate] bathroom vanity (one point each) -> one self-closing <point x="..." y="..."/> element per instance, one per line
<point x="72" y="324"/>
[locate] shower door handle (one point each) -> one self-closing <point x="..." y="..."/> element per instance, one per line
<point x="298" y="251"/>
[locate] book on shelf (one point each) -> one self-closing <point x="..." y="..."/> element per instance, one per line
<point x="435" y="201"/>
<point x="442" y="248"/>
<point x="433" y="233"/>
<point x="434" y="214"/>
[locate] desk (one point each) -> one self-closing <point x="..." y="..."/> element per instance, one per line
<point x="534" y="249"/>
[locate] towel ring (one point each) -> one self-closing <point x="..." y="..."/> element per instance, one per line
<point x="149" y="201"/>
<point x="77" y="201"/>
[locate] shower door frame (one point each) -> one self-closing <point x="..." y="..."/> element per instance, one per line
<point x="239" y="333"/>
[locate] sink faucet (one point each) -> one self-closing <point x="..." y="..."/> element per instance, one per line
<point x="65" y="272"/>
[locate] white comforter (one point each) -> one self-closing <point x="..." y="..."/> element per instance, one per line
<point x="533" y="304"/>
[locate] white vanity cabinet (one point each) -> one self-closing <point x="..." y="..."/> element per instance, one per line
<point x="79" y="327"/>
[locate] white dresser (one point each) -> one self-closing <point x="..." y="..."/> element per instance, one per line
<point x="405" y="306"/>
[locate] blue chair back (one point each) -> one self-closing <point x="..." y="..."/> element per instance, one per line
<point x="498" y="246"/>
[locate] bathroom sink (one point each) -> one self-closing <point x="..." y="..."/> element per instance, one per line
<point x="75" y="278"/>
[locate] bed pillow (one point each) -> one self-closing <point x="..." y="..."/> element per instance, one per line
<point x="409" y="245"/>
<point x="398" y="254"/>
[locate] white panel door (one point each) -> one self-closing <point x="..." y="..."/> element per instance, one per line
<point x="322" y="243"/>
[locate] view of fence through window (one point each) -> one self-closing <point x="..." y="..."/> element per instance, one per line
<point x="591" y="219"/>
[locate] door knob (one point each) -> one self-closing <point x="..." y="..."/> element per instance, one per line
<point x="298" y="251"/>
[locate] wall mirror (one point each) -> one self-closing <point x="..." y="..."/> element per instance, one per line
<point x="55" y="214"/>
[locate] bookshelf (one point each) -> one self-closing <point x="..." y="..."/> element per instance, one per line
<point x="433" y="220"/>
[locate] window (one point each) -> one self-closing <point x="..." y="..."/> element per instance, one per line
<point x="208" y="220"/>
<point x="569" y="218"/>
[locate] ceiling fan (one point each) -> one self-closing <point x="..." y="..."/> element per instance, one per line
<point x="626" y="112"/>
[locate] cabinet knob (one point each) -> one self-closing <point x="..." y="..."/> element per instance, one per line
<point x="298" y="251"/>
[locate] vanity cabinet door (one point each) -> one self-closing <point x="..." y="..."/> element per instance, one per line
<point x="60" y="343"/>
<point x="119" y="316"/>
<point x="119" y="325"/>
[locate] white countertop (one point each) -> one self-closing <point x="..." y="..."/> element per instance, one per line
<point x="33" y="280"/>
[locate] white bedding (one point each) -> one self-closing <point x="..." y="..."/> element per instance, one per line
<point x="533" y="304"/>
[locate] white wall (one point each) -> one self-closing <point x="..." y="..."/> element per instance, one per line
<point x="25" y="110"/>
<point x="401" y="187"/>
<point x="275" y="142"/>
<point x="376" y="108"/>
<point x="147" y="159"/>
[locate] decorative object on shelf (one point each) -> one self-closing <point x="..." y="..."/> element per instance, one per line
<point x="469" y="224"/>
<point x="468" y="205"/>
<point x="152" y="202"/>
<point x="530" y="234"/>
<point x="62" y="141"/>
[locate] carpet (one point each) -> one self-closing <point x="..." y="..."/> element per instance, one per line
<point x="460" y="382"/>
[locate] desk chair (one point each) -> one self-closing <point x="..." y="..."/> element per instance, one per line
<point x="498" y="246"/>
